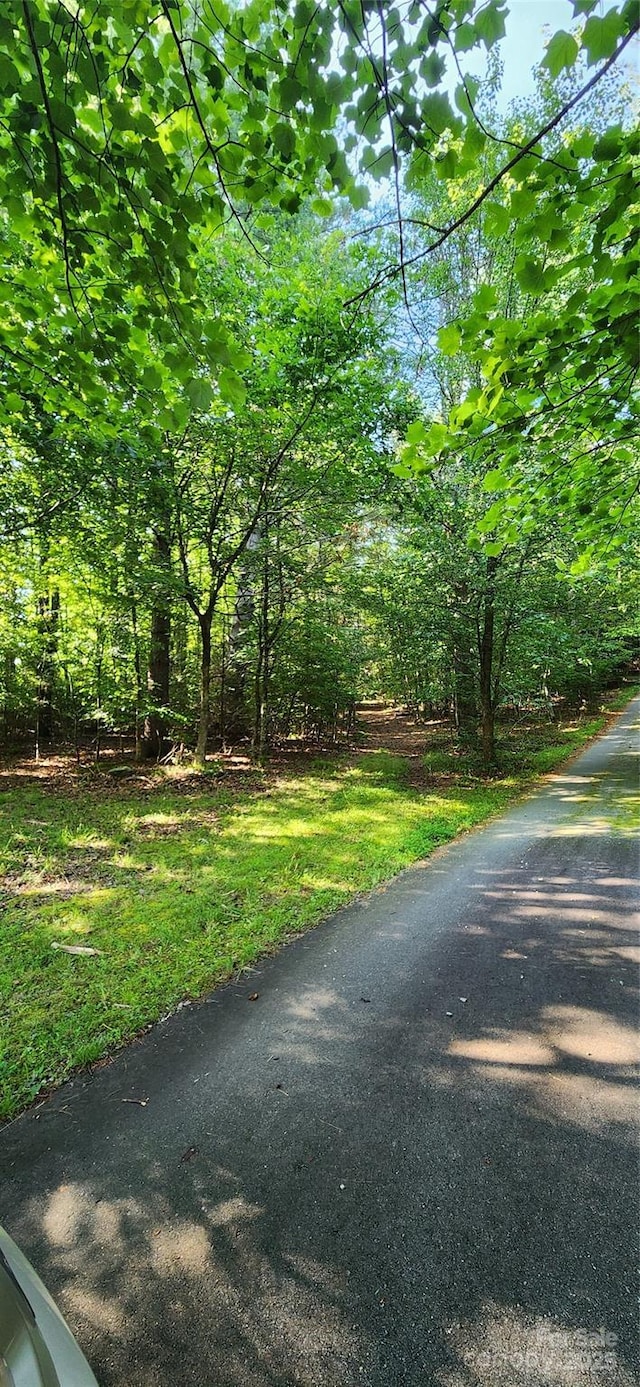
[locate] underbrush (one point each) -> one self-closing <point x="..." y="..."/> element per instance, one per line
<point x="524" y="747"/>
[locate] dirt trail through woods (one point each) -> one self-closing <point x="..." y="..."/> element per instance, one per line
<point x="400" y="733"/>
<point x="387" y="729"/>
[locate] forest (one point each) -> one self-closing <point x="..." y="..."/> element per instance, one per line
<point x="318" y="385"/>
<point x="318" y="466"/>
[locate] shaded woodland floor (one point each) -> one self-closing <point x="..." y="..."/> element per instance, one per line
<point x="379" y="729"/>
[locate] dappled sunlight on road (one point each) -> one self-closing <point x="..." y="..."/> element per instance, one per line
<point x="269" y="1315"/>
<point x="314" y="1000"/>
<point x="563" y="1061"/>
<point x="510" y="1348"/>
<point x="590" y="804"/>
<point x="590" y="1103"/>
<point x="538" y="1064"/>
<point x="590" y="1034"/>
<point x="316" y="1024"/>
<point x="514" y="1047"/>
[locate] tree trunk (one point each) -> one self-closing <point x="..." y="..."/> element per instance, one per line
<point x="204" y="621"/>
<point x="464" y="666"/>
<point x="137" y="666"/>
<point x="487" y="702"/>
<point x="99" y="659"/>
<point x="261" y="729"/>
<point x="465" y="706"/>
<point x="159" y="664"/>
<point x="488" y="736"/>
<point x="238" y="697"/>
<point x="48" y="619"/>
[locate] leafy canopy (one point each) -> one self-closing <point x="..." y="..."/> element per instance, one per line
<point x="130" y="134"/>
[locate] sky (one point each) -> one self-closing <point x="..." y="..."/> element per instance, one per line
<point x="529" y="25"/>
<point x="524" y="43"/>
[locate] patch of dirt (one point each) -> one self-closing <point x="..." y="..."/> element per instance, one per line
<point x="403" y="734"/>
<point x="41" y="887"/>
<point x="118" y="776"/>
<point x="389" y="729"/>
<point x="120" y="781"/>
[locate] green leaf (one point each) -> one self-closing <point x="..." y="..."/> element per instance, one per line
<point x="465" y="38"/>
<point x="485" y="298"/>
<point x="284" y="139"/>
<point x="416" y="432"/>
<point x="609" y="147"/>
<point x="380" y="165"/>
<point x="562" y="51"/>
<point x="530" y="274"/>
<point x="466" y="94"/>
<point x="232" y="388"/>
<point x="437" y="113"/>
<point x="121" y="117"/>
<point x="435" y="439"/>
<point x="582" y="145"/>
<point x="495" y="480"/>
<point x="200" y="393"/>
<point x="91" y="118"/>
<point x="290" y="91"/>
<point x="582" y="565"/>
<point x="359" y="196"/>
<point x="523" y="201"/>
<point x="497" y="219"/>
<point x="489" y="24"/>
<point x="462" y="415"/>
<point x="449" y="339"/>
<point x="446" y="164"/>
<point x="432" y="68"/>
<point x="600" y="35"/>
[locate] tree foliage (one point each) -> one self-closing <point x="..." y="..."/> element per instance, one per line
<point x="129" y="137"/>
<point x="212" y="346"/>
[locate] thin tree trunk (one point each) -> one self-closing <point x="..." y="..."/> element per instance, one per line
<point x="99" y="657"/>
<point x="48" y="620"/>
<point x="262" y="667"/>
<point x="159" y="666"/>
<point x="258" y="722"/>
<point x="487" y="704"/>
<point x="465" y="700"/>
<point x="8" y="681"/>
<point x="237" y="713"/>
<point x="464" y="693"/>
<point x="137" y="665"/>
<point x="223" y="685"/>
<point x="74" y="711"/>
<point x="488" y="736"/>
<point x="204" y="621"/>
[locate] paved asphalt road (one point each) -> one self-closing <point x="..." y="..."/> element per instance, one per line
<point x="410" y="1161"/>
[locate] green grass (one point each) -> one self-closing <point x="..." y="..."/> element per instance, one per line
<point x="181" y="890"/>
